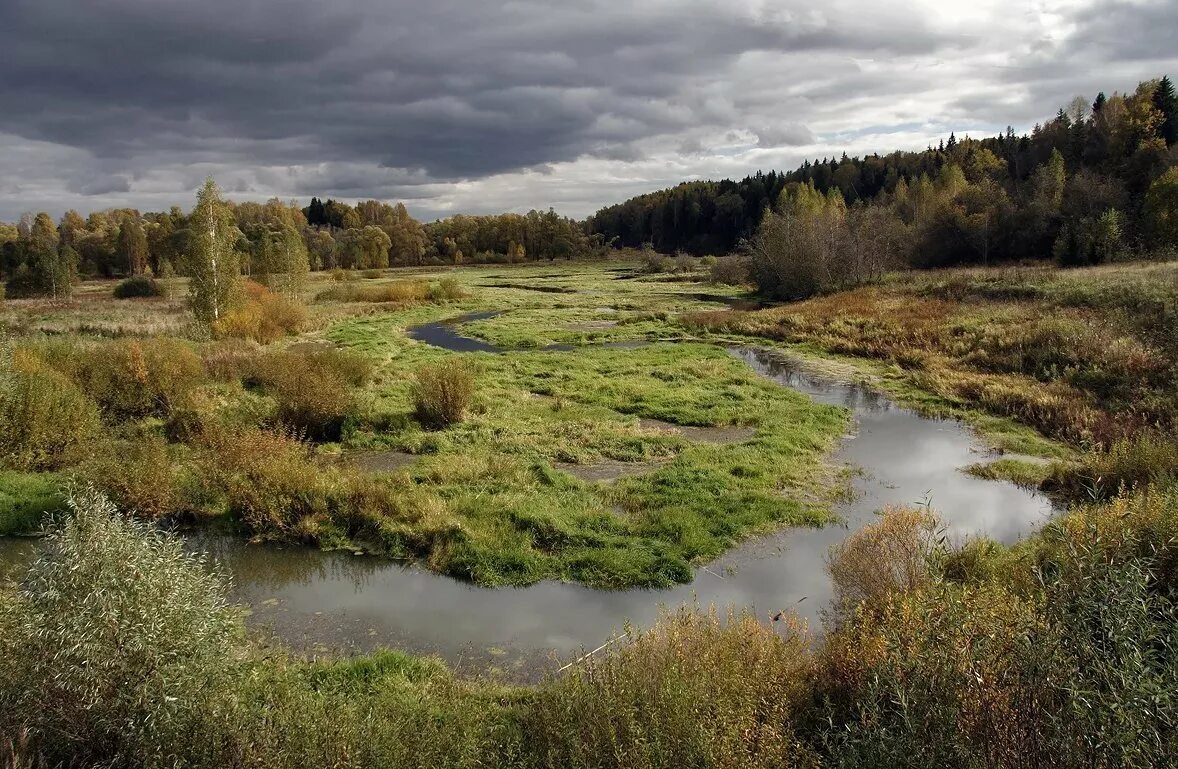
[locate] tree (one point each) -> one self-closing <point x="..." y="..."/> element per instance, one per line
<point x="132" y="246"/>
<point x="1161" y="209"/>
<point x="1166" y="102"/>
<point x="364" y="248"/>
<point x="406" y="236"/>
<point x="278" y="257"/>
<point x="212" y="260"/>
<point x="320" y="248"/>
<point x="40" y="264"/>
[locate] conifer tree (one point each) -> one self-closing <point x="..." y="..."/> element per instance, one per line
<point x="1166" y="102"/>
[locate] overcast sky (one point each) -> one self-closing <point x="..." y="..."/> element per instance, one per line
<point x="472" y="106"/>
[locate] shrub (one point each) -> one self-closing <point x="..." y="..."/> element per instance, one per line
<point x="264" y="316"/>
<point x="265" y="478"/>
<point x="314" y="390"/>
<point x="787" y="257"/>
<point x="114" y="651"/>
<point x="131" y="378"/>
<point x="137" y="475"/>
<point x="730" y="271"/>
<point x="884" y="558"/>
<point x="693" y="691"/>
<point x="442" y="393"/>
<point x="139" y="286"/>
<point x="46" y="421"/>
<point x="446" y="289"/>
<point x="684" y="264"/>
<point x="653" y="262"/>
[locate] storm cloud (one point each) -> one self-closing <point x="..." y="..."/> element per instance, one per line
<point x="490" y="105"/>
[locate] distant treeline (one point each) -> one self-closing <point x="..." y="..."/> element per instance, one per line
<point x="39" y="256"/>
<point x="1078" y="187"/>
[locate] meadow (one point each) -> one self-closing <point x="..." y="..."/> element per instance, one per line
<point x="612" y="441"/>
<point x="514" y="490"/>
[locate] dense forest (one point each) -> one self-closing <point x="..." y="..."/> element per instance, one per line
<point x="1094" y="180"/>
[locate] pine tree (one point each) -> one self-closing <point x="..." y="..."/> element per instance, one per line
<point x="1166" y="103"/>
<point x="212" y="259"/>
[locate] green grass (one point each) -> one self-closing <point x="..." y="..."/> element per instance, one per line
<point x="25" y="499"/>
<point x="523" y="520"/>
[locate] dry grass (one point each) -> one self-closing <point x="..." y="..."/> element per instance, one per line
<point x="394" y="292"/>
<point x="264" y="316"/>
<point x="442" y="393"/>
<point x="1058" y="351"/>
<point x="883" y="559"/>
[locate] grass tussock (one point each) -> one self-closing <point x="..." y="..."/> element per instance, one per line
<point x="442" y="393"/>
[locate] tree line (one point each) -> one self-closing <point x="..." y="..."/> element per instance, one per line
<point x="1095" y="180"/>
<point x="275" y="241"/>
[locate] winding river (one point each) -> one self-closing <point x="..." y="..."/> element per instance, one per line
<point x="317" y="601"/>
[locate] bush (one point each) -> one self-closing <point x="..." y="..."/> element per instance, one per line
<point x="114" y="652"/>
<point x="653" y="262"/>
<point x="314" y="390"/>
<point x="446" y="289"/>
<point x="139" y="286"/>
<point x="729" y="271"/>
<point x="264" y="316"/>
<point x="694" y="691"/>
<point x="267" y="479"/>
<point x="442" y="393"/>
<point x="787" y="257"/>
<point x="137" y="475"/>
<point x="131" y="378"/>
<point x="882" y="559"/>
<point x="684" y="264"/>
<point x="46" y="421"/>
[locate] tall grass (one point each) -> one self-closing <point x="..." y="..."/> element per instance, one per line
<point x="442" y="393"/>
<point x="397" y="291"/>
<point x="698" y="690"/>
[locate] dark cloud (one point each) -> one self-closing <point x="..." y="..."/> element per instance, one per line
<point x="136" y="100"/>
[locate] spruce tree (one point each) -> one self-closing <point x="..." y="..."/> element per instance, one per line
<point x="1165" y="102"/>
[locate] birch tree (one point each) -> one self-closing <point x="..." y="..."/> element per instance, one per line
<point x="212" y="258"/>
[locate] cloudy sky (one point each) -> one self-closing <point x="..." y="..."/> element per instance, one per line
<point x="490" y="105"/>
